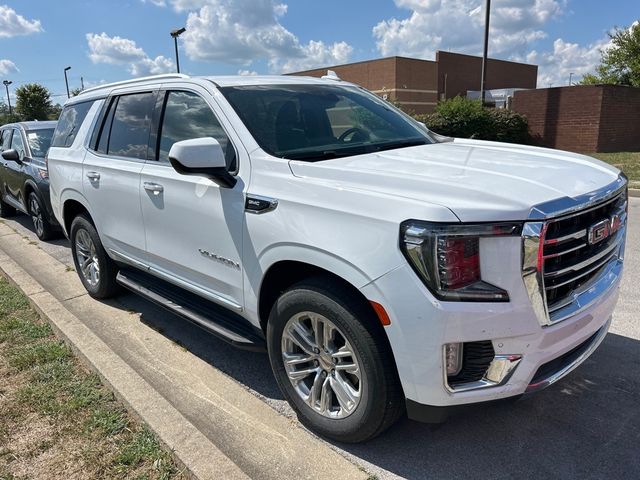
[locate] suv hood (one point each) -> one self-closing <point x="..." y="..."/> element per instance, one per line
<point x="477" y="180"/>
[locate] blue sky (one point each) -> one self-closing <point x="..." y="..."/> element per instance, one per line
<point x="111" y="40"/>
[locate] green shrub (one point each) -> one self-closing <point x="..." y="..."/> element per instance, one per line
<point x="463" y="118"/>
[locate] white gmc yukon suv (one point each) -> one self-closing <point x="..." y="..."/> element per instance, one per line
<point x="384" y="268"/>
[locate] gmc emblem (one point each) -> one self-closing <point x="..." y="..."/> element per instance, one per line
<point x="603" y="229"/>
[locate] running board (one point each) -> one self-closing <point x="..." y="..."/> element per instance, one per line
<point x="217" y="320"/>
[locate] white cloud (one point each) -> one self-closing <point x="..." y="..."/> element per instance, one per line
<point x="12" y="24"/>
<point x="247" y="73"/>
<point x="556" y="66"/>
<point x="315" y="54"/>
<point x="459" y="25"/>
<point x="243" y="31"/>
<point x="122" y="51"/>
<point x="7" y="66"/>
<point x="157" y="3"/>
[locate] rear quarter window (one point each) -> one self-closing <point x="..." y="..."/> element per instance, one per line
<point x="69" y="123"/>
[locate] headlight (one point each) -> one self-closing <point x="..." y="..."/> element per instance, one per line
<point x="447" y="258"/>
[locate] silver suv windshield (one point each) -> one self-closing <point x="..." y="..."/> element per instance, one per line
<point x="39" y="141"/>
<point x="319" y="122"/>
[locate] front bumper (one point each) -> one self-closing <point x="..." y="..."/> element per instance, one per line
<point x="421" y="325"/>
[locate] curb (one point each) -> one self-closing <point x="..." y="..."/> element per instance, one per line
<point x="214" y="426"/>
<point x="634" y="192"/>
<point x="192" y="451"/>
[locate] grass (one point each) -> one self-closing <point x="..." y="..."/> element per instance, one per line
<point x="56" y="419"/>
<point x="628" y="162"/>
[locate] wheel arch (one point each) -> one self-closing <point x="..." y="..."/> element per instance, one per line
<point x="72" y="206"/>
<point x="283" y="274"/>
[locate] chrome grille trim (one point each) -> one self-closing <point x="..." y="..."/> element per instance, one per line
<point x="580" y="283"/>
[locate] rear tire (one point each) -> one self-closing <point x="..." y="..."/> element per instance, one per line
<point x="96" y="270"/>
<point x="44" y="230"/>
<point x="6" y="210"/>
<point x="366" y="378"/>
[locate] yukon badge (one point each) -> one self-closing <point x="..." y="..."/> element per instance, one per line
<point x="218" y="258"/>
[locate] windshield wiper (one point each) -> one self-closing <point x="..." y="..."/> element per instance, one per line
<point x="401" y="144"/>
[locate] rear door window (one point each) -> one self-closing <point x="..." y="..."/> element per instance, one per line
<point x="69" y="123"/>
<point x="129" y="135"/>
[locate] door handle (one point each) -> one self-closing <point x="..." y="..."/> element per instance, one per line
<point x="93" y="176"/>
<point x="153" y="188"/>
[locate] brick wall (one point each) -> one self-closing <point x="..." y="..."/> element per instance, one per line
<point x="598" y="118"/>
<point x="417" y="85"/>
<point x="459" y="73"/>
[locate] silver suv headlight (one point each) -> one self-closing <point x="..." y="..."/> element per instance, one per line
<point x="447" y="258"/>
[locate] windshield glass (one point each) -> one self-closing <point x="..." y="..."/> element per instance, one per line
<point x="39" y="141"/>
<point x="318" y="122"/>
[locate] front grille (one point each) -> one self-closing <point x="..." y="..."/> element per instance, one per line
<point x="476" y="358"/>
<point x="570" y="260"/>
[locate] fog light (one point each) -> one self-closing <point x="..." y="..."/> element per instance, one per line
<point x="453" y="358"/>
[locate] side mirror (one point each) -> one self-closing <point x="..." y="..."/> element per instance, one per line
<point x="11" y="155"/>
<point x="201" y="157"/>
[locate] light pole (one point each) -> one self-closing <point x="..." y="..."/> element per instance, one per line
<point x="485" y="51"/>
<point x="570" y="77"/>
<point x="6" y="84"/>
<point x="175" y="34"/>
<point x="66" y="81"/>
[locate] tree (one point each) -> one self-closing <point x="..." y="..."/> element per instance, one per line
<point x="33" y="102"/>
<point x="55" y="111"/>
<point x="75" y="91"/>
<point x="620" y="63"/>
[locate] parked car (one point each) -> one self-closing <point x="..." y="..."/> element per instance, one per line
<point x="384" y="268"/>
<point x="24" y="180"/>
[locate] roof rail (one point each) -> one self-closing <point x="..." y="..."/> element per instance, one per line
<point x="135" y="80"/>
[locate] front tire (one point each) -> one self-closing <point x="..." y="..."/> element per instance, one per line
<point x="333" y="362"/>
<point x="44" y="230"/>
<point x="96" y="270"/>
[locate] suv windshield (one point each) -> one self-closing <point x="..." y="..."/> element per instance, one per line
<point x="39" y="141"/>
<point x="318" y="122"/>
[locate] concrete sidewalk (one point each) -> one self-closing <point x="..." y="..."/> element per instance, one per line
<point x="216" y="428"/>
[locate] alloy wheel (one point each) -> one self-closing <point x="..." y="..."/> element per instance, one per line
<point x="36" y="216"/>
<point x="321" y="364"/>
<point x="87" y="257"/>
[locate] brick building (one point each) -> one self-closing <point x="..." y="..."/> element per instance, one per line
<point x="417" y="85"/>
<point x="584" y="118"/>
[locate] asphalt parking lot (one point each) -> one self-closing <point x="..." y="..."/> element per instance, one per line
<point x="586" y="426"/>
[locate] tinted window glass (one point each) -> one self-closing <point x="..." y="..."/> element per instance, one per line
<point x="17" y="144"/>
<point x="69" y="123"/>
<point x="130" y="128"/>
<point x="106" y="127"/>
<point x="5" y="140"/>
<point x="317" y="122"/>
<point x="39" y="141"/>
<point x="188" y="116"/>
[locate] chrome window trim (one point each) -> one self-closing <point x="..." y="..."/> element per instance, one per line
<point x="586" y="295"/>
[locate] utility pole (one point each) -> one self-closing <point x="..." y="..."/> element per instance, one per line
<point x="570" y="77"/>
<point x="66" y="80"/>
<point x="486" y="50"/>
<point x="81" y="83"/>
<point x="175" y="34"/>
<point x="6" y="84"/>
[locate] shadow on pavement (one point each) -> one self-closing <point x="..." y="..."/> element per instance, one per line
<point x="586" y="426"/>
